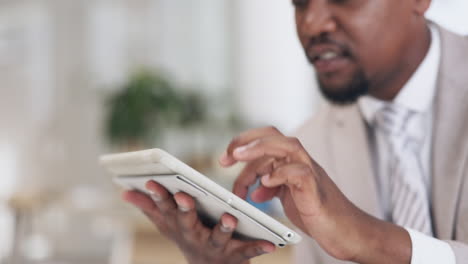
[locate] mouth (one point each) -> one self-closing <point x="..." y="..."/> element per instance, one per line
<point x="328" y="58"/>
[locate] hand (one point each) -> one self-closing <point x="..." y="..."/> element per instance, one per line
<point x="176" y="218"/>
<point x="310" y="198"/>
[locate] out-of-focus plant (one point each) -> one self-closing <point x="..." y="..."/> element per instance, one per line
<point x="147" y="103"/>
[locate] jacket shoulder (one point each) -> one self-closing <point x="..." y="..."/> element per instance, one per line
<point x="314" y="133"/>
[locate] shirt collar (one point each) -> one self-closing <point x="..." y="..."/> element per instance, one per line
<point x="418" y="93"/>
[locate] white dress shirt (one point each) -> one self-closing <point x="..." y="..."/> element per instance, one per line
<point x="417" y="95"/>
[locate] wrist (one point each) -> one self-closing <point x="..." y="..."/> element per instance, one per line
<point x="379" y="240"/>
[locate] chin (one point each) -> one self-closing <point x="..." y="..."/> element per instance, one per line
<point x="344" y="92"/>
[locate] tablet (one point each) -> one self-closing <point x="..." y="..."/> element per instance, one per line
<point x="133" y="169"/>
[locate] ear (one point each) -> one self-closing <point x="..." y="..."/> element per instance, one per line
<point x="420" y="6"/>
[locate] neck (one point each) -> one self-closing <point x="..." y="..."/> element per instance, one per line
<point x="388" y="88"/>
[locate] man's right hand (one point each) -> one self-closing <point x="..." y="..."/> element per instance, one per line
<point x="176" y="218"/>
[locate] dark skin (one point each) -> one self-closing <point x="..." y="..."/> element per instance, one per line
<point x="386" y="40"/>
<point x="176" y="218"/>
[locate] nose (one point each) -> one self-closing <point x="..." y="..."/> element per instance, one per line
<point x="316" y="19"/>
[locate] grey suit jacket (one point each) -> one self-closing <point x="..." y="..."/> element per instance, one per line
<point x="337" y="139"/>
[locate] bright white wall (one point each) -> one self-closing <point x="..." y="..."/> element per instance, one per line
<point x="452" y="14"/>
<point x="107" y="25"/>
<point x="273" y="79"/>
<point x="191" y="42"/>
<point x="26" y="92"/>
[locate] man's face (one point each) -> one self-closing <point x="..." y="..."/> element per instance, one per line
<point x="354" y="45"/>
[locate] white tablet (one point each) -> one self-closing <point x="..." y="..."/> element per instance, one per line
<point x="133" y="169"/>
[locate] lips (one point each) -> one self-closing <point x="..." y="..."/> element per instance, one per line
<point x="328" y="58"/>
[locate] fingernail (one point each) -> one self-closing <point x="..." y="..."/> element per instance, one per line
<point x="266" y="250"/>
<point x="225" y="229"/>
<point x="240" y="150"/>
<point x="156" y="197"/>
<point x="183" y="209"/>
<point x="224" y="158"/>
<point x="265" y="178"/>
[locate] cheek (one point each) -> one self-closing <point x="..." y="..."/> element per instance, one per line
<point x="374" y="48"/>
<point x="300" y="31"/>
<point x="375" y="35"/>
<point x="377" y="54"/>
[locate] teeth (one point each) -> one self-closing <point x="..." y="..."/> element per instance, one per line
<point x="328" y="55"/>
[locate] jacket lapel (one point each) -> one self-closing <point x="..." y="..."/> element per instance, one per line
<point x="352" y="160"/>
<point x="450" y="133"/>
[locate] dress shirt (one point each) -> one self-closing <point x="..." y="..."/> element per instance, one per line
<point x="417" y="95"/>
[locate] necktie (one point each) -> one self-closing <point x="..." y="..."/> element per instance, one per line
<point x="409" y="199"/>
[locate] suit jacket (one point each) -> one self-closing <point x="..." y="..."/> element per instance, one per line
<point x="337" y="139"/>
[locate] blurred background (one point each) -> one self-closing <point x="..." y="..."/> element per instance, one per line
<point x="80" y="78"/>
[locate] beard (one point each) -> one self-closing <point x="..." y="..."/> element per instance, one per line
<point x="347" y="93"/>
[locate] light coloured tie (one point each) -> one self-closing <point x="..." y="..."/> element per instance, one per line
<point x="409" y="199"/>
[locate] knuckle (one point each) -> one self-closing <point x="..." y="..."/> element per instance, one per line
<point x="185" y="229"/>
<point x="302" y="177"/>
<point x="305" y="171"/>
<point x="216" y="244"/>
<point x="191" y="239"/>
<point x="272" y="129"/>
<point x="185" y="226"/>
<point x="279" y="171"/>
<point x="285" y="169"/>
<point x="169" y="217"/>
<point x="295" y="143"/>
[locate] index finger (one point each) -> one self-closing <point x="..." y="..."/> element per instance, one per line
<point x="227" y="158"/>
<point x="278" y="147"/>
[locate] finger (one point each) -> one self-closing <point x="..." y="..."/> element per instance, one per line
<point x="293" y="175"/>
<point x="140" y="200"/>
<point x="303" y="185"/>
<point x="226" y="160"/>
<point x="222" y="233"/>
<point x="243" y="139"/>
<point x="275" y="146"/>
<point x="187" y="216"/>
<point x="263" y="194"/>
<point x="161" y="196"/>
<point x="292" y="206"/>
<point x="249" y="175"/>
<point x="251" y="249"/>
<point x="144" y="203"/>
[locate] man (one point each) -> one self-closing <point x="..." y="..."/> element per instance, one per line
<point x="391" y="185"/>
